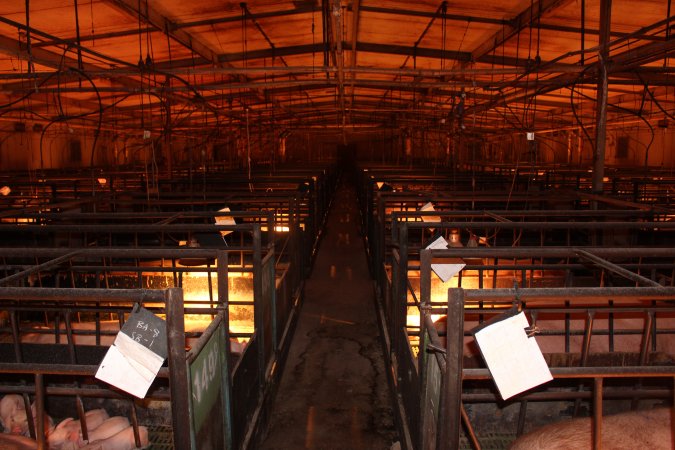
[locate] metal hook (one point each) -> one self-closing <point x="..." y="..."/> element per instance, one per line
<point x="531" y="331"/>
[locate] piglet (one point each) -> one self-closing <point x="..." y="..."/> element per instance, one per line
<point x="67" y="433"/>
<point x="123" y="440"/>
<point x="48" y="421"/>
<point x="107" y="429"/>
<point x="13" y="414"/>
<point x="648" y="429"/>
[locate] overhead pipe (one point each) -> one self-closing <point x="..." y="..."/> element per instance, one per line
<point x="336" y="25"/>
<point x="601" y="108"/>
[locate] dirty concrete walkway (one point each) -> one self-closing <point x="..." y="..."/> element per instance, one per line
<point x="334" y="391"/>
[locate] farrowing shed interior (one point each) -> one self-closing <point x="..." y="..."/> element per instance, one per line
<point x="226" y="165"/>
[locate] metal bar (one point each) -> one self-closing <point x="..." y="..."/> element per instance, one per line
<point x="178" y="379"/>
<point x="300" y="9"/>
<point x="259" y="307"/>
<point x="588" y="334"/>
<point x="54" y="59"/>
<point x="423" y="355"/>
<point x="40" y="408"/>
<point x="572" y="294"/>
<point x="155" y="18"/>
<point x="400" y="292"/>
<point x="644" y="351"/>
<point x="419" y="13"/>
<point x="514" y="26"/>
<point x="37" y="268"/>
<point x="450" y="413"/>
<point x="585" y="350"/>
<point x="522" y="412"/>
<point x="597" y="414"/>
<point x="588" y="372"/>
<point x="134" y="425"/>
<point x="14" y="322"/>
<point x="224" y="301"/>
<point x="84" y="392"/>
<point x="644" y="346"/>
<point x="616" y="269"/>
<point x="547" y="396"/>
<point x="80" y="294"/>
<point x="469" y="429"/>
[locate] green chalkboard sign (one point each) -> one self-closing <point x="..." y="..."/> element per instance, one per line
<point x="206" y="379"/>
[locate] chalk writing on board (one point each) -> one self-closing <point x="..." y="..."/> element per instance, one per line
<point x="147" y="329"/>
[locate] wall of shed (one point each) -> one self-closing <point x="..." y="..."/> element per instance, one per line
<point x="55" y="148"/>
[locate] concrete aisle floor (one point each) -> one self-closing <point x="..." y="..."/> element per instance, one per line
<point x="334" y="392"/>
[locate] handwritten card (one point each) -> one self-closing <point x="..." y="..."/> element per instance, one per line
<point x="448" y="270"/>
<point x="139" y="350"/>
<point x="514" y="359"/>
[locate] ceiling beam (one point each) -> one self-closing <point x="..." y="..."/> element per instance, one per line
<point x="640" y="56"/>
<point x="300" y="9"/>
<point x="41" y="56"/>
<point x="161" y="22"/>
<point x="372" y="47"/>
<point x="526" y="18"/>
<point x="433" y="14"/>
<point x="249" y="15"/>
<point x="631" y="59"/>
<point x="61" y="61"/>
<point x="58" y="41"/>
<point x="593" y="31"/>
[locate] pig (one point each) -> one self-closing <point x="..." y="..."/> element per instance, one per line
<point x="110" y="427"/>
<point x="13" y="414"/>
<point x="651" y="429"/>
<point x="48" y="422"/>
<point x="14" y="417"/>
<point x="69" y="430"/>
<point x="123" y="440"/>
<point x="14" y="442"/>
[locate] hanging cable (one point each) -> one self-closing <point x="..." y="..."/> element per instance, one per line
<point x="244" y="41"/>
<point x="248" y="153"/>
<point x="28" y="46"/>
<point x="444" y="33"/>
<point x="313" y="46"/>
<point x="653" y="98"/>
<point x="77" y="38"/>
<point x="91" y="14"/>
<point x="583" y="31"/>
